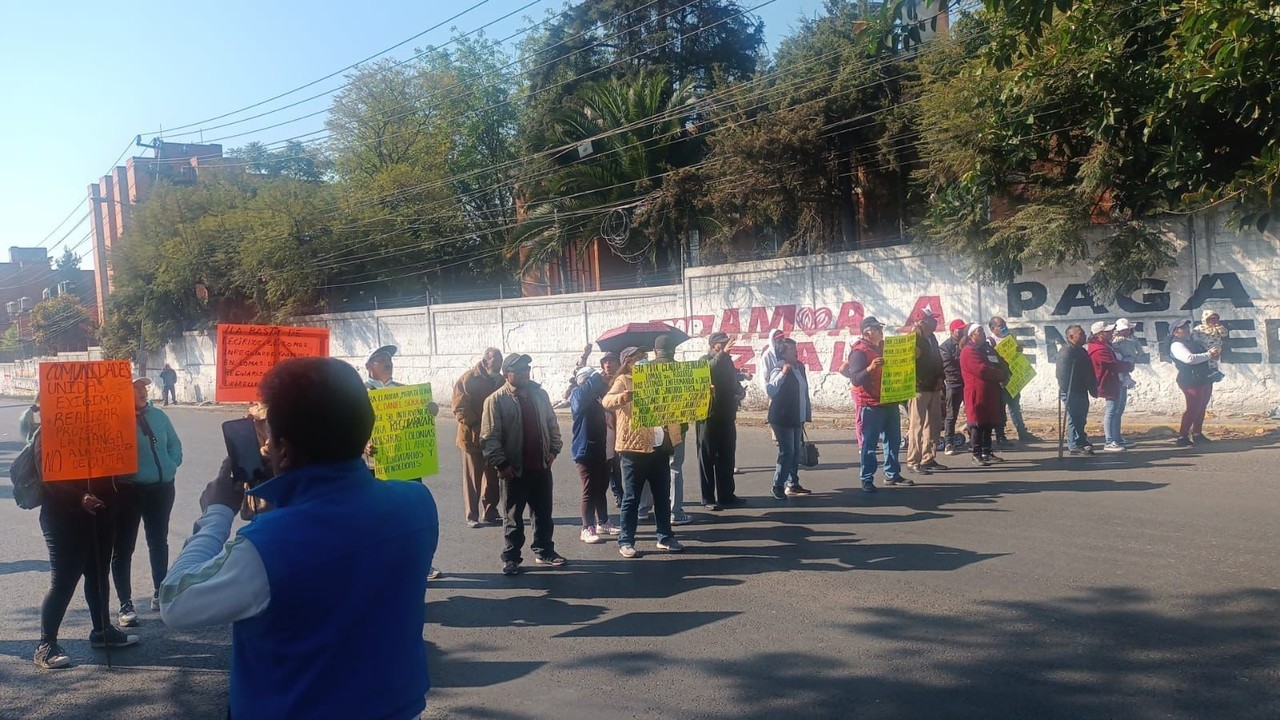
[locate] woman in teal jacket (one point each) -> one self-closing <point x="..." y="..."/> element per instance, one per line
<point x="148" y="500"/>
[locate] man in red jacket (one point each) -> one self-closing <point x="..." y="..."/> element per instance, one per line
<point x="1108" y="368"/>
<point x="866" y="363"/>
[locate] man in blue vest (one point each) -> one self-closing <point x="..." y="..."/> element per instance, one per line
<point x="335" y="540"/>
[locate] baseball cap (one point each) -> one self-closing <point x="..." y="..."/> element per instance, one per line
<point x="141" y="381"/>
<point x="1181" y="323"/>
<point x="1100" y="326"/>
<point x="1124" y="324"/>
<point x="629" y="353"/>
<point x="515" y="362"/>
<point x="957" y="324"/>
<point x="388" y="350"/>
<point x="582" y="373"/>
<point x="869" y="322"/>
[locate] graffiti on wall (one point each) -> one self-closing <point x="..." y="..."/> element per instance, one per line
<point x="1251" y="341"/>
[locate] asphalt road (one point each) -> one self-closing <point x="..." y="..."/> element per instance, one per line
<point x="1143" y="585"/>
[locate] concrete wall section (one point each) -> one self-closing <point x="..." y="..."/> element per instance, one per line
<point x="821" y="301"/>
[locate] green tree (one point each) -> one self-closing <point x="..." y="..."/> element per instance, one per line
<point x="1082" y="124"/>
<point x="61" y="324"/>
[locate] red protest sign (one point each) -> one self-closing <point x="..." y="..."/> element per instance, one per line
<point x="87" y="420"/>
<point x="246" y="352"/>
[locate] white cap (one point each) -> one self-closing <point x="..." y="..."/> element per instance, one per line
<point x="1100" y="326"/>
<point x="1124" y="324"/>
<point x="974" y="328"/>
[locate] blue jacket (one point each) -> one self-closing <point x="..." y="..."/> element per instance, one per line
<point x="588" y="421"/>
<point x="347" y="558"/>
<point x="168" y="449"/>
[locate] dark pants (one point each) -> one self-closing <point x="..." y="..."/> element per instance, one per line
<point x="1077" y="415"/>
<point x="79" y="546"/>
<point x="638" y="470"/>
<point x="150" y="506"/>
<point x="981" y="439"/>
<point x="1011" y="409"/>
<point x="952" y="399"/>
<point x="170" y="393"/>
<point x="615" y="479"/>
<point x="1198" y="397"/>
<point x="717" y="443"/>
<point x="595" y="482"/>
<point x="532" y="489"/>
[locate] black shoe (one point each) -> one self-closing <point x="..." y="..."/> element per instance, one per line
<point x="795" y="489"/>
<point x="980" y="461"/>
<point x="114" y="638"/>
<point x="993" y="458"/>
<point x="550" y="558"/>
<point x="1200" y="439"/>
<point x="50" y="656"/>
<point x="495" y="521"/>
<point x="933" y="465"/>
<point x="778" y="494"/>
<point x="711" y="506"/>
<point x="868" y="487"/>
<point x="900" y="480"/>
<point x="733" y="500"/>
<point x="1183" y="441"/>
<point x="511" y="567"/>
<point x="919" y="469"/>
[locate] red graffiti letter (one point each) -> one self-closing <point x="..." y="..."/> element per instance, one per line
<point x="850" y="319"/>
<point x="731" y="322"/>
<point x="837" y="356"/>
<point x="807" y="354"/>
<point x="784" y="318"/>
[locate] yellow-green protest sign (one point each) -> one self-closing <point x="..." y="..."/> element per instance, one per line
<point x="898" y="377"/>
<point x="404" y="433"/>
<point x="1020" y="370"/>
<point x="670" y="393"/>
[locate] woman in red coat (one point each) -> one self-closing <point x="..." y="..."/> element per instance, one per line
<point x="984" y="375"/>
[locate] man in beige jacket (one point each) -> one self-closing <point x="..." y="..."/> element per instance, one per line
<point x="521" y="439"/>
<point x="646" y="456"/>
<point x="481" y="493"/>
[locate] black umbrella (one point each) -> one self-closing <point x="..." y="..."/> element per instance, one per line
<point x="640" y="335"/>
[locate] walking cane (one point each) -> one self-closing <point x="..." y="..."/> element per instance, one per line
<point x="102" y="584"/>
<point x="1059" y="427"/>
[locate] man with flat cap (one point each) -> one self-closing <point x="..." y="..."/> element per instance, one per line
<point x="380" y="368"/>
<point x="719" y="433"/>
<point x="521" y="439"/>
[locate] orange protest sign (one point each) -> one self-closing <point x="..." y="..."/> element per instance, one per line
<point x="87" y="420"/>
<point x="246" y="352"/>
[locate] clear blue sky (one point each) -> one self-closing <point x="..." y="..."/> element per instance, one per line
<point x="83" y="78"/>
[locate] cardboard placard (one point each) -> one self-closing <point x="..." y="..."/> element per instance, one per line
<point x="1020" y="370"/>
<point x="898" y="377"/>
<point x="404" y="433"/>
<point x="670" y="393"/>
<point x="87" y="420"/>
<point x="246" y="352"/>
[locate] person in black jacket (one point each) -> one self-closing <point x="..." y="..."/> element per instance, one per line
<point x="952" y="384"/>
<point x="719" y="434"/>
<point x="925" y="409"/>
<point x="1076" y="382"/>
<point x="789" y="410"/>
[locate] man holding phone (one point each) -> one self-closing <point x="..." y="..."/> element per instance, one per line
<point x="336" y="539"/>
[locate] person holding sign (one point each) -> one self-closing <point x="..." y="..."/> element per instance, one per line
<point x="1011" y="405"/>
<point x="789" y="410"/>
<point x="381" y="368"/>
<point x="481" y="494"/>
<point x="865" y="369"/>
<point x="664" y="352"/>
<point x="984" y="379"/>
<point x="646" y="454"/>
<point x="328" y="581"/>
<point x="1108" y="369"/>
<point x="521" y="439"/>
<point x="146" y="500"/>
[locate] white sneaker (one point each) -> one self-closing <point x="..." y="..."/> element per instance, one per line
<point x="590" y="537"/>
<point x="627" y="551"/>
<point x="608" y="528"/>
<point x="670" y="545"/>
<point x="1113" y="447"/>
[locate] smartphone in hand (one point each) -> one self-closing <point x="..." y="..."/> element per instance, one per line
<point x="247" y="463"/>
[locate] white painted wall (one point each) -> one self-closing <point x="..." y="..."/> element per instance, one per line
<point x="818" y="300"/>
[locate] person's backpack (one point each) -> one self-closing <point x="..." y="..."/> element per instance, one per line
<point x="28" y="485"/>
